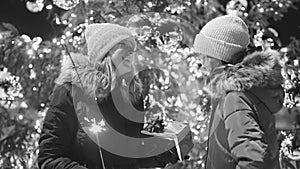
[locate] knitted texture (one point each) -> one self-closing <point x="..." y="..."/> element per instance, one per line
<point x="100" y="38"/>
<point x="222" y="38"/>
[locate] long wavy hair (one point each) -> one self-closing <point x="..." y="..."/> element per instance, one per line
<point x="96" y="79"/>
<point x="110" y="81"/>
<point x="107" y="75"/>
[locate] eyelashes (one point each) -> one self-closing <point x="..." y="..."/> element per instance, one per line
<point x="130" y="52"/>
<point x="127" y="55"/>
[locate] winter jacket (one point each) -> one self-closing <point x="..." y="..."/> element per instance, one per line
<point x="65" y="144"/>
<point x="242" y="128"/>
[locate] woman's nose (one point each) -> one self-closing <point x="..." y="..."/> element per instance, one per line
<point x="128" y="59"/>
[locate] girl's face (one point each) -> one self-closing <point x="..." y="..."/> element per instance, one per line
<point x="209" y="63"/>
<point x="122" y="58"/>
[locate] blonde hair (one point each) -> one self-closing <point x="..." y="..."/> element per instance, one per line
<point x="108" y="72"/>
<point x="96" y="79"/>
<point x="107" y="76"/>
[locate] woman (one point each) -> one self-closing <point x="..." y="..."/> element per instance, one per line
<point x="246" y="92"/>
<point x="65" y="140"/>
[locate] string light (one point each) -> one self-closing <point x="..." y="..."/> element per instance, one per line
<point x="49" y="7"/>
<point x="73" y="15"/>
<point x="30" y="52"/>
<point x="66" y="4"/>
<point x="20" y="117"/>
<point x="54" y="40"/>
<point x="57" y="21"/>
<point x="261" y="10"/>
<point x="198" y="124"/>
<point x="68" y="33"/>
<point x="64" y="22"/>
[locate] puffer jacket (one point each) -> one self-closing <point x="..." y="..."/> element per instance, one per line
<point x="242" y="128"/>
<point x="65" y="143"/>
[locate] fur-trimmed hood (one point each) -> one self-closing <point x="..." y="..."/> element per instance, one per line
<point x="259" y="72"/>
<point x="79" y="71"/>
<point x="259" y="69"/>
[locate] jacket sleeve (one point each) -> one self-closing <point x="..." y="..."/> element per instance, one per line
<point x="245" y="138"/>
<point x="160" y="160"/>
<point x="58" y="130"/>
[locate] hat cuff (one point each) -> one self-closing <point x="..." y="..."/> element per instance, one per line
<point x="216" y="48"/>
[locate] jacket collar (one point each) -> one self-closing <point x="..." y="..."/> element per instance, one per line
<point x="259" y="73"/>
<point x="79" y="71"/>
<point x="257" y="70"/>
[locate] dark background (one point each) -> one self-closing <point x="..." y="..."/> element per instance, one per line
<point x="42" y="23"/>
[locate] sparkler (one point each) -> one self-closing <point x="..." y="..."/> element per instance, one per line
<point x="95" y="128"/>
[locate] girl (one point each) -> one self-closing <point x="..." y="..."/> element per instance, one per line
<point x="65" y="140"/>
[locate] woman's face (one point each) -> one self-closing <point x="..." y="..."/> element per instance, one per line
<point x="122" y="58"/>
<point x="209" y="63"/>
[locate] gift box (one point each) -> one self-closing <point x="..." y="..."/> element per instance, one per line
<point x="175" y="134"/>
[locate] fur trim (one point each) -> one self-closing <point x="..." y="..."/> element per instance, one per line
<point x="85" y="75"/>
<point x="259" y="69"/>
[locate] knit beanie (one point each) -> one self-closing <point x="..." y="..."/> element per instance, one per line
<point x="100" y="38"/>
<point x="222" y="38"/>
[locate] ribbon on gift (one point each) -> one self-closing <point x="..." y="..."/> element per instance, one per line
<point x="178" y="148"/>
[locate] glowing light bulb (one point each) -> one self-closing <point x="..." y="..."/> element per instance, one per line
<point x="49" y="7"/>
<point x="20" y="117"/>
<point x="65" y="22"/>
<point x="261" y="10"/>
<point x="68" y="33"/>
<point x="30" y="52"/>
